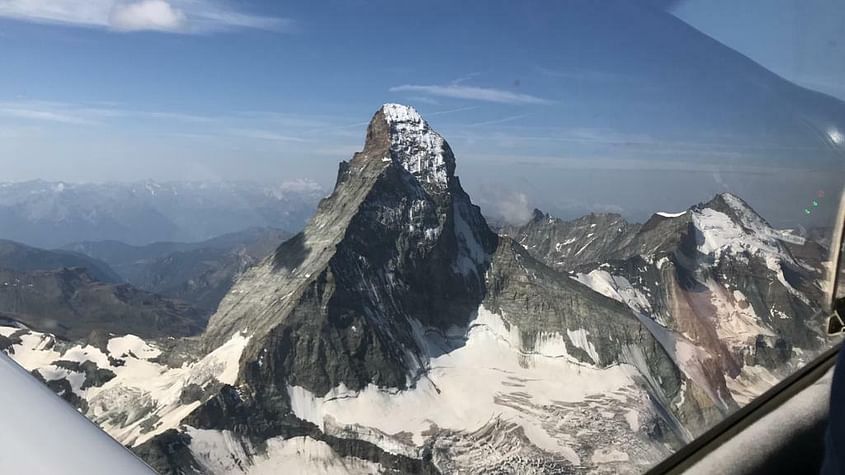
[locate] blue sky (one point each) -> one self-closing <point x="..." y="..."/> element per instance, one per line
<point x="803" y="41"/>
<point x="216" y="89"/>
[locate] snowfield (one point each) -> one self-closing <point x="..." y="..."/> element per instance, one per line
<point x="143" y="397"/>
<point x="477" y="384"/>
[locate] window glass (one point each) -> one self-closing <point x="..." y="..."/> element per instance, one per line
<point x="246" y="237"/>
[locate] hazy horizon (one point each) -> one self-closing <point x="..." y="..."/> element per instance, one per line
<point x="619" y="106"/>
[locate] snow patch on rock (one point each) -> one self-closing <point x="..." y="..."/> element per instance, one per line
<point x="580" y="340"/>
<point x="143" y="398"/>
<point x="616" y="287"/>
<point x="670" y="215"/>
<point x="415" y="146"/>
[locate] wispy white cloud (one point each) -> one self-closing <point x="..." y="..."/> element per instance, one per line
<point x="502" y="203"/>
<point x="450" y="111"/>
<point x="513" y="207"/>
<point x="287" y="120"/>
<point x="43" y="112"/>
<point x="176" y="16"/>
<point x="460" y="91"/>
<point x="45" y="115"/>
<point x="178" y="116"/>
<point x="424" y="100"/>
<point x="217" y="18"/>
<point x="466" y="77"/>
<point x="87" y="114"/>
<point x="147" y="15"/>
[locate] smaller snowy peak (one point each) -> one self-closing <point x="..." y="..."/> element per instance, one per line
<point x="728" y="226"/>
<point x="418" y="148"/>
<point x="749" y="217"/>
<point x="729" y="201"/>
<point x="740" y="213"/>
<point x="732" y="199"/>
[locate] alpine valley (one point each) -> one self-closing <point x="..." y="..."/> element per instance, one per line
<point x="399" y="333"/>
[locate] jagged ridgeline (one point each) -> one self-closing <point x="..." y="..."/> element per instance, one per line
<point x="397" y="332"/>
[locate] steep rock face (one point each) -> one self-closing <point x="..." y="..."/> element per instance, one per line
<point x="397" y="242"/>
<point x="398" y="273"/>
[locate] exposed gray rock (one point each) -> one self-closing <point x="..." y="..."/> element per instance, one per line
<point x="94" y="376"/>
<point x="565" y="245"/>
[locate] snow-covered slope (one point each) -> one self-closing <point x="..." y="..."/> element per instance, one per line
<point x="121" y="385"/>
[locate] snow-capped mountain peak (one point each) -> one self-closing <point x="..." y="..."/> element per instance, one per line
<point x="394" y="113"/>
<point x="417" y="147"/>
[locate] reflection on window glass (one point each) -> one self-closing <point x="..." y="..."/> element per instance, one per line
<point x="235" y="238"/>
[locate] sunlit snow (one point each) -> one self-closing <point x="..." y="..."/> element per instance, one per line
<point x="465" y="388"/>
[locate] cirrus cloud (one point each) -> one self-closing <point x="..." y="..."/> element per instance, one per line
<point x="147" y="15"/>
<point x="474" y="93"/>
<point x="175" y="16"/>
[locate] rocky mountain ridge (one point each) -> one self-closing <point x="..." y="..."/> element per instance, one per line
<point x="19" y="257"/>
<point x="199" y="273"/>
<point x="71" y="304"/>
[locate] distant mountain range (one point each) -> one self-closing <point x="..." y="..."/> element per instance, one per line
<point x="199" y="273"/>
<point x="55" y="214"/>
<point x="398" y="332"/>
<point x="22" y="258"/>
<point x="70" y="295"/>
<point x="71" y="304"/>
<point x="162" y="289"/>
